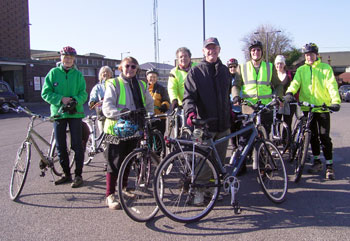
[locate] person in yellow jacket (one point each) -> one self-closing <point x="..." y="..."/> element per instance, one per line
<point x="124" y="93"/>
<point x="177" y="77"/>
<point x="257" y="81"/>
<point x="317" y="85"/>
<point x="160" y="97"/>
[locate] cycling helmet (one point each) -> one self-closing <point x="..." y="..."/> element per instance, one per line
<point x="310" y="48"/>
<point x="232" y="61"/>
<point x="125" y="128"/>
<point x="68" y="51"/>
<point x="255" y="44"/>
<point x="152" y="70"/>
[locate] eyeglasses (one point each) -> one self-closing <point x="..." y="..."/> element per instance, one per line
<point x="130" y="66"/>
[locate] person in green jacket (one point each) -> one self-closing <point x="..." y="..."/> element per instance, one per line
<point x="317" y="85"/>
<point x="65" y="90"/>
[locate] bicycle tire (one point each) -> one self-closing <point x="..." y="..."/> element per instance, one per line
<point x="56" y="166"/>
<point x="262" y="132"/>
<point x="292" y="147"/>
<point x="88" y="158"/>
<point x="20" y="170"/>
<point x="158" y="143"/>
<point x="272" y="174"/>
<point x="283" y="138"/>
<point x="142" y="207"/>
<point x="301" y="156"/>
<point x="174" y="191"/>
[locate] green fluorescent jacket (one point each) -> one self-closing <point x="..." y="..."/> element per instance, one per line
<point x="58" y="84"/>
<point x="317" y="85"/>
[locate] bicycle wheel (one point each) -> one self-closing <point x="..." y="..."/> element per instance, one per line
<point x="282" y="135"/>
<point x="181" y="198"/>
<point x="56" y="166"/>
<point x="272" y="173"/>
<point x="262" y="132"/>
<point x="158" y="143"/>
<point x="89" y="149"/>
<point x="20" y="170"/>
<point x="301" y="155"/>
<point x="135" y="185"/>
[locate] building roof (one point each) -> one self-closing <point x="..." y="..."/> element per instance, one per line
<point x="150" y="65"/>
<point x="345" y="77"/>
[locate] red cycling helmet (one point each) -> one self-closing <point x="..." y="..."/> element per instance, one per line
<point x="68" y="51"/>
<point x="232" y="61"/>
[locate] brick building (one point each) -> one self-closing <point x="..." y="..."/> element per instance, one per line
<point x="24" y="69"/>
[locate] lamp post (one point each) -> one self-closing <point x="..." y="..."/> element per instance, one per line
<point x="121" y="55"/>
<point x="203" y="20"/>
<point x="267" y="42"/>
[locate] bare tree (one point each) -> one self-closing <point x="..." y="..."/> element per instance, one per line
<point x="278" y="41"/>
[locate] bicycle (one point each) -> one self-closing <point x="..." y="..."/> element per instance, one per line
<point x="179" y="186"/>
<point x="280" y="134"/>
<point x="49" y="161"/>
<point x="176" y="126"/>
<point x="95" y="144"/>
<point x="137" y="170"/>
<point x="301" y="136"/>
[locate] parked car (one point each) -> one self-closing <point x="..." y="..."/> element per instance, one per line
<point x="6" y="96"/>
<point x="347" y="96"/>
<point x="343" y="90"/>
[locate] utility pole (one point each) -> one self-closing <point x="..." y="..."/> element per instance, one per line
<point x="155" y="29"/>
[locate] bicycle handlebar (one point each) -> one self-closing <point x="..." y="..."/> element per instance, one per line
<point x="18" y="109"/>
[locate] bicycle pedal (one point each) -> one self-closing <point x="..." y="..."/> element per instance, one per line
<point x="42" y="165"/>
<point x="42" y="174"/>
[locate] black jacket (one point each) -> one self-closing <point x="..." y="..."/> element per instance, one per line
<point x="207" y="93"/>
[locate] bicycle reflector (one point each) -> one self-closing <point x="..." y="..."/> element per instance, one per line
<point x="125" y="128"/>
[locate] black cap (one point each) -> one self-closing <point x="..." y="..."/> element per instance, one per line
<point x="211" y="40"/>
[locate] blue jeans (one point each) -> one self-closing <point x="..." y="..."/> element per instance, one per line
<point x="75" y="127"/>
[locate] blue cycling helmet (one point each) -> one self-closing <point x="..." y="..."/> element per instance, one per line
<point x="125" y="128"/>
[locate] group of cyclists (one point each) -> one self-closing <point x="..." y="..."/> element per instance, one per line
<point x="209" y="89"/>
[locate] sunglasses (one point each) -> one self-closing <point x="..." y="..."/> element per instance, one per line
<point x="130" y="66"/>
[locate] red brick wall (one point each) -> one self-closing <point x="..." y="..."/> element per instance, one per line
<point x="14" y="29"/>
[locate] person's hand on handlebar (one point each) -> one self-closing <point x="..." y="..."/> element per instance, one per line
<point x="191" y="116"/>
<point x="236" y="100"/>
<point x="289" y="97"/>
<point x="335" y="107"/>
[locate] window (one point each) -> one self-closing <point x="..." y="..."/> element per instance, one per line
<point x="87" y="71"/>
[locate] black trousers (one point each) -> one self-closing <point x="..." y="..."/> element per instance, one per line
<point x="320" y="128"/>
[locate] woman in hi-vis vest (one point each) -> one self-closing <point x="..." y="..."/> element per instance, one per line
<point x="123" y="93"/>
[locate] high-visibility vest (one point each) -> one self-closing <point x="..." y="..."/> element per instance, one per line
<point x="257" y="86"/>
<point x="121" y="104"/>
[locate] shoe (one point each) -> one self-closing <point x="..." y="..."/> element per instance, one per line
<point x="128" y="193"/>
<point x="316" y="167"/>
<point x="77" y="182"/>
<point x="64" y="179"/>
<point x="330" y="173"/>
<point x="112" y="203"/>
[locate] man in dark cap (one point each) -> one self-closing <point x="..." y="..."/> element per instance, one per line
<point x="207" y="95"/>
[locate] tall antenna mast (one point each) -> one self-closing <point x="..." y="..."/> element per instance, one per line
<point x="156" y="34"/>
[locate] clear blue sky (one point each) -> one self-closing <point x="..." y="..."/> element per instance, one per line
<point x="110" y="27"/>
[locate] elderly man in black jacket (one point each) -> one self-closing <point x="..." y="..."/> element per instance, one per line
<point x="207" y="93"/>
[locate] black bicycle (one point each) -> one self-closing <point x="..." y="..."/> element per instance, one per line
<point x="298" y="147"/>
<point x="135" y="179"/>
<point x="188" y="181"/>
